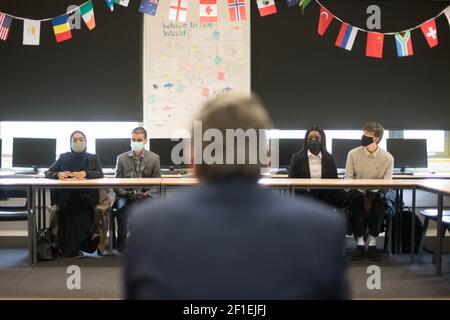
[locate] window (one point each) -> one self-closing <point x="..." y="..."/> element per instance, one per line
<point x="437" y="141"/>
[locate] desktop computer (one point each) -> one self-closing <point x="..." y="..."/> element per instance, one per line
<point x="163" y="147"/>
<point x="340" y="149"/>
<point x="33" y="153"/>
<point x="286" y="148"/>
<point x="107" y="150"/>
<point x="408" y="154"/>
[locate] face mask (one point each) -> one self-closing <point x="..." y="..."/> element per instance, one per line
<point x="78" y="147"/>
<point x="366" y="141"/>
<point x="315" y="146"/>
<point x="137" y="146"/>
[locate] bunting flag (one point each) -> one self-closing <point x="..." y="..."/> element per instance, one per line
<point x="149" y="7"/>
<point x="208" y="10"/>
<point x="31" y="32"/>
<point x="374" y="46"/>
<point x="5" y="25"/>
<point x="325" y="19"/>
<point x="404" y="44"/>
<point x="447" y="14"/>
<point x="291" y="3"/>
<point x="61" y="28"/>
<point x="110" y="4"/>
<point x="346" y="37"/>
<point x="430" y="32"/>
<point x="237" y="10"/>
<point x="123" y="3"/>
<point x="87" y="13"/>
<point x="178" y="10"/>
<point x="303" y="4"/>
<point x="266" y="7"/>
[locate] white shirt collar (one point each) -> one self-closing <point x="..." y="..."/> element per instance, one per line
<point x="310" y="154"/>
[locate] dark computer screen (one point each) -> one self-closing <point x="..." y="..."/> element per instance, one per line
<point x="163" y="148"/>
<point x="287" y="147"/>
<point x="340" y="149"/>
<point x="1" y="154"/>
<point x="33" y="152"/>
<point x="408" y="153"/>
<point x="107" y="150"/>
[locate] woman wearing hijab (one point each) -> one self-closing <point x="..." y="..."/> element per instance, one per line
<point x="314" y="162"/>
<point x="76" y="206"/>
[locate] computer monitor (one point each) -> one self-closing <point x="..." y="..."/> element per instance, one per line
<point x="408" y="153"/>
<point x="340" y="149"/>
<point x="163" y="147"/>
<point x="33" y="153"/>
<point x="107" y="150"/>
<point x="287" y="147"/>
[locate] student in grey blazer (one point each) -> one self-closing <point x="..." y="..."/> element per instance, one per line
<point x="136" y="163"/>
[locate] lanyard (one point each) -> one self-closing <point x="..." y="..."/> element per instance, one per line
<point x="137" y="170"/>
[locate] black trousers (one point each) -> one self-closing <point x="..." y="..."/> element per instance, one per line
<point x="361" y="221"/>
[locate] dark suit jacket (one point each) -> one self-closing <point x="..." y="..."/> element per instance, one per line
<point x="233" y="240"/>
<point x="92" y="167"/>
<point x="299" y="168"/>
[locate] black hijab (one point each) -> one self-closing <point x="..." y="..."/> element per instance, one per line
<point x="74" y="161"/>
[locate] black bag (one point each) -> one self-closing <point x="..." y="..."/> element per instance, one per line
<point x="401" y="232"/>
<point x="46" y="246"/>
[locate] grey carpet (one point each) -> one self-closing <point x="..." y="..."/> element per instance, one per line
<point x="101" y="277"/>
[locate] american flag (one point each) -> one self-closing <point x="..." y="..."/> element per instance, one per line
<point x="237" y="10"/>
<point x="5" y="24"/>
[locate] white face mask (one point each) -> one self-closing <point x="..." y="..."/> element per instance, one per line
<point x="78" y="147"/>
<point x="137" y="146"/>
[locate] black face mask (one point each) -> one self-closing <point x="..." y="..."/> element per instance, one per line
<point x="315" y="146"/>
<point x="365" y="141"/>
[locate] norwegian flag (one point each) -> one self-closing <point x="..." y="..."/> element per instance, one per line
<point x="237" y="10"/>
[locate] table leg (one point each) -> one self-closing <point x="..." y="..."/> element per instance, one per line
<point x="413" y="224"/>
<point x="44" y="205"/>
<point x="30" y="228"/>
<point x="33" y="225"/>
<point x="439" y="232"/>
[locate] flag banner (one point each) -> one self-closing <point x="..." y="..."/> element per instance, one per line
<point x="110" y="4"/>
<point x="5" y="25"/>
<point x="291" y="3"/>
<point x="208" y="10"/>
<point x="403" y="43"/>
<point x="430" y="32"/>
<point x="61" y="28"/>
<point x="178" y="10"/>
<point x="325" y="19"/>
<point x="123" y="3"/>
<point x="374" y="46"/>
<point x="447" y="14"/>
<point x="304" y="3"/>
<point x="346" y="37"/>
<point x="87" y="13"/>
<point x="266" y="7"/>
<point x="31" y="32"/>
<point x="237" y="10"/>
<point x="149" y="7"/>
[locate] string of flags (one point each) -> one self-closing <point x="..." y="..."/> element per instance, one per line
<point x="178" y="11"/>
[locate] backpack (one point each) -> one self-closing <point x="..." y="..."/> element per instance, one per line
<point x="401" y="232"/>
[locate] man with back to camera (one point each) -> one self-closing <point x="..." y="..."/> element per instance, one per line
<point x="136" y="163"/>
<point x="368" y="161"/>
<point x="230" y="238"/>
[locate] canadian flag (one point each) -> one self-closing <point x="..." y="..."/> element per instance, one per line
<point x="430" y="32"/>
<point x="208" y="10"/>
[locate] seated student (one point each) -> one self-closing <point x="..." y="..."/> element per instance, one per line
<point x="230" y="238"/>
<point x="76" y="207"/>
<point x="136" y="163"/>
<point x="367" y="208"/>
<point x="315" y="162"/>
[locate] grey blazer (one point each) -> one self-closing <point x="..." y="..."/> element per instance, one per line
<point x="125" y="168"/>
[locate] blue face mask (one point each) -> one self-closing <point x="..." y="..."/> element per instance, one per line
<point x="137" y="146"/>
